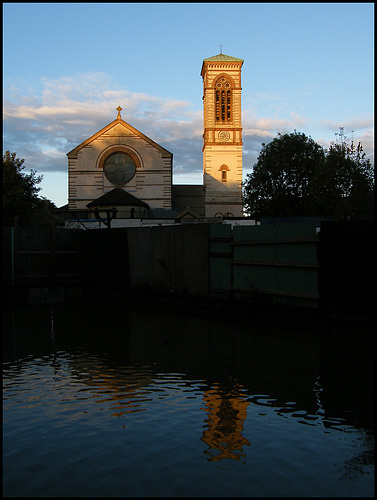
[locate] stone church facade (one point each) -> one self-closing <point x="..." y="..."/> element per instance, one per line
<point x="121" y="169"/>
<point x="119" y="157"/>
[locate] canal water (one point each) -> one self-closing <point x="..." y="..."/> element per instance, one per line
<point x="117" y="399"/>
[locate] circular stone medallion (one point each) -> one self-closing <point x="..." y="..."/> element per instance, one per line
<point x="224" y="135"/>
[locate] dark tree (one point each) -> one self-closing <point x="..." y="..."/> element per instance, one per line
<point x="20" y="194"/>
<point x="294" y="176"/>
<point x="279" y="184"/>
<point x="344" y="185"/>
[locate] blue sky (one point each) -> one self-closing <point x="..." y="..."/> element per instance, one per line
<point x="67" y="66"/>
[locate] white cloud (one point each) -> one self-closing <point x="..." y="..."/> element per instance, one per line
<point x="43" y="124"/>
<point x="269" y="127"/>
<point x="53" y="153"/>
<point x="350" y="125"/>
<point x="43" y="127"/>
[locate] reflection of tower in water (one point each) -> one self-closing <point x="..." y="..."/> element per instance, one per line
<point x="226" y="410"/>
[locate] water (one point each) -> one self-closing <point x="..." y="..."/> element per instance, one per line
<point x="111" y="400"/>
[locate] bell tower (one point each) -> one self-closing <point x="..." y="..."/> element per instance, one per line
<point x="222" y="137"/>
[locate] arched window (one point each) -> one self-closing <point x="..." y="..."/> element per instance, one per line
<point x="224" y="169"/>
<point x="223" y="100"/>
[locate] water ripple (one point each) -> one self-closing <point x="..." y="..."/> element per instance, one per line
<point x="199" y="417"/>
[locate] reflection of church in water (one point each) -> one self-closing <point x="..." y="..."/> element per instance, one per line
<point x="226" y="413"/>
<point x="121" y="168"/>
<point x="128" y="392"/>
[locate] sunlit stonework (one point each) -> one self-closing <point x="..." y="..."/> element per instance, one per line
<point x="222" y="148"/>
<point x="121" y="169"/>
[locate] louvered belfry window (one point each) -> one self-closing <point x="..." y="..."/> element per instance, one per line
<point x="223" y="101"/>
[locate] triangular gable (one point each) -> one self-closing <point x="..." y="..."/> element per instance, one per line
<point x="127" y="126"/>
<point x="187" y="214"/>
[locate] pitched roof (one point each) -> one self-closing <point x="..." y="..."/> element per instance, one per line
<point x="117" y="197"/>
<point x="127" y="126"/>
<point x="222" y="57"/>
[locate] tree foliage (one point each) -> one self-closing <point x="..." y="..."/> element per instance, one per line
<point x="20" y="194"/>
<point x="295" y="176"/>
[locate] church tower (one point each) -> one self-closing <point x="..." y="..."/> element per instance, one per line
<point x="222" y="137"/>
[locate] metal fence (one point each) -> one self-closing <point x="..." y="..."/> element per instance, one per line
<point x="330" y="266"/>
<point x="36" y="256"/>
<point x="273" y="262"/>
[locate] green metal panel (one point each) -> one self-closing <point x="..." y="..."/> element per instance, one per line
<point x="254" y="277"/>
<point x="278" y="261"/>
<point x="260" y="252"/>
<point x="294" y="252"/>
<point x="299" y="280"/>
<point x="295" y="229"/>
<point x="220" y="253"/>
<point x="302" y="277"/>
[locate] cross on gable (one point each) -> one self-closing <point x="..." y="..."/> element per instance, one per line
<point x="119" y="109"/>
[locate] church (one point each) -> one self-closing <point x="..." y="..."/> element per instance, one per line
<point x="120" y="169"/>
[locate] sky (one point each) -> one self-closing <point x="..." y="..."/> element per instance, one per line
<point x="67" y="67"/>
